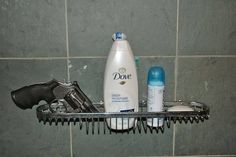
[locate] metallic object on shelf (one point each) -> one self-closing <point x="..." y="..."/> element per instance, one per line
<point x="96" y="122"/>
<point x="61" y="97"/>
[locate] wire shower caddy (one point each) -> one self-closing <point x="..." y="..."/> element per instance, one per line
<point x="97" y="122"/>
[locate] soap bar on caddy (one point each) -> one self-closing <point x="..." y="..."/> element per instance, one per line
<point x="179" y="108"/>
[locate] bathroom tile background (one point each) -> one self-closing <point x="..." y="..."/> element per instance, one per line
<point x="20" y="132"/>
<point x="93" y="22"/>
<point x="215" y="86"/>
<point x="194" y="40"/>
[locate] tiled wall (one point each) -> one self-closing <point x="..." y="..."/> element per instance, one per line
<point x="194" y="40"/>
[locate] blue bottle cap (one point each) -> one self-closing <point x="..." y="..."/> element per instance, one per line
<point x="119" y="36"/>
<point x="156" y="76"/>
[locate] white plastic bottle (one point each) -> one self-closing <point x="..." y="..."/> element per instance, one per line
<point x="120" y="83"/>
<point x="156" y="84"/>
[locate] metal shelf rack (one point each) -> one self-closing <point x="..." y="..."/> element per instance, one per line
<point x="96" y="122"/>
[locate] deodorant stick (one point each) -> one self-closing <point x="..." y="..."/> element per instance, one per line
<point x="156" y="84"/>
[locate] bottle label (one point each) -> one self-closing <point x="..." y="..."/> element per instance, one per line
<point x="121" y="101"/>
<point x="155" y="98"/>
<point x="155" y="104"/>
<point x="118" y="98"/>
<point x="121" y="76"/>
<point x="129" y="110"/>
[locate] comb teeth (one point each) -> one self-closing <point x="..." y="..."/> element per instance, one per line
<point x="96" y="123"/>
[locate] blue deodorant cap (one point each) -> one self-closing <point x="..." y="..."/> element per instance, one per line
<point x="156" y="76"/>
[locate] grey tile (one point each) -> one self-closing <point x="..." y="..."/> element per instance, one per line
<point x="211" y="81"/>
<point x="150" y="26"/>
<point x="32" y="28"/>
<point x="20" y="133"/>
<point x="207" y="27"/>
<point x="89" y="72"/>
<point x="114" y="145"/>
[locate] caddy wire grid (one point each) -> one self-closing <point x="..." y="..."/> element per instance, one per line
<point x="97" y="122"/>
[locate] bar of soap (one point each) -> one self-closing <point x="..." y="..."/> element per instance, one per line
<point x="180" y="108"/>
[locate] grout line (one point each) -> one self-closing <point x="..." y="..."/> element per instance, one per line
<point x="67" y="42"/>
<point x="84" y="57"/>
<point x="173" y="146"/>
<point x="165" y="56"/>
<point x="221" y="155"/>
<point x="193" y="156"/>
<point x="31" y="58"/>
<point x="204" y="155"/>
<point x="78" y="57"/>
<point x="176" y="51"/>
<point x="71" y="142"/>
<point x="156" y="56"/>
<point x="176" y="69"/>
<point x="201" y="56"/>
<point x="214" y="155"/>
<point x="68" y="71"/>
